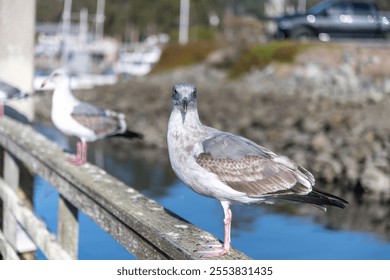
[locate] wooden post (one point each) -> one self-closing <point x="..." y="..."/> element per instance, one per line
<point x="68" y="227"/>
<point x="15" y="235"/>
<point x="6" y="251"/>
<point x="25" y="193"/>
<point x="2" y="175"/>
<point x="36" y="229"/>
<point x="17" y="29"/>
<point x="11" y="177"/>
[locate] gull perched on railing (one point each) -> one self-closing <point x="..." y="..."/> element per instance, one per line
<point x="231" y="168"/>
<point x="7" y="93"/>
<point x="81" y="119"/>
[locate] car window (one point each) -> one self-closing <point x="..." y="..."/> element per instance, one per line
<point x="319" y="8"/>
<point x="361" y="8"/>
<point x="338" y="9"/>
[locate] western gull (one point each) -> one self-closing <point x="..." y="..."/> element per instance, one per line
<point x="7" y="93"/>
<point x="83" y="120"/>
<point x="231" y="168"/>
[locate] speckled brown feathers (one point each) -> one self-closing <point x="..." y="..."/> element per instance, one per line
<point x="101" y="125"/>
<point x="253" y="175"/>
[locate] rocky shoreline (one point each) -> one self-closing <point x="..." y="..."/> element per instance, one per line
<point x="329" y="111"/>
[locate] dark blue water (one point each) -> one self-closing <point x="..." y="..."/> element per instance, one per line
<point x="262" y="232"/>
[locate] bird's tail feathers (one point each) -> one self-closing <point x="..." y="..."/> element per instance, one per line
<point x="130" y="134"/>
<point x="122" y="126"/>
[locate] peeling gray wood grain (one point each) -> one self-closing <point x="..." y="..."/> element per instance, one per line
<point x="11" y="176"/>
<point x="68" y="227"/>
<point x="140" y="224"/>
<point x="6" y="249"/>
<point x="35" y="227"/>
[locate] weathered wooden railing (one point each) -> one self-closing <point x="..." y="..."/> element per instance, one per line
<point x="142" y="226"/>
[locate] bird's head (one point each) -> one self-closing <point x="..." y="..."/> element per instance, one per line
<point x="184" y="98"/>
<point x="56" y="77"/>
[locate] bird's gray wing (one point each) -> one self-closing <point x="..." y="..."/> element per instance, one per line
<point x="227" y="145"/>
<point x="252" y="169"/>
<point x="102" y="122"/>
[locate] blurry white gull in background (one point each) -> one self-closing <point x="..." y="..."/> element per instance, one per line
<point x="83" y="120"/>
<point x="231" y="168"/>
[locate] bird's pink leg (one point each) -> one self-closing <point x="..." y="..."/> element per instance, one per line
<point x="83" y="153"/>
<point x="228" y="224"/>
<point x="75" y="159"/>
<point x="216" y="249"/>
<point x="81" y="156"/>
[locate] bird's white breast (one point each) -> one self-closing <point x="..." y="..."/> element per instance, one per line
<point x="62" y="107"/>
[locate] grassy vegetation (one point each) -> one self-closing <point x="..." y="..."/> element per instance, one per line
<point x="252" y="57"/>
<point x="259" y="56"/>
<point x="176" y="55"/>
<point x="196" y="34"/>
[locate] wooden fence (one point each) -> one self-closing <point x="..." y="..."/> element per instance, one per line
<point x="143" y="227"/>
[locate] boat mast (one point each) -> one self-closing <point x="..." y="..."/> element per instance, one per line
<point x="99" y="19"/>
<point x="66" y="19"/>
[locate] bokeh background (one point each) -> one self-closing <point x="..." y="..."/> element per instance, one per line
<point x="323" y="104"/>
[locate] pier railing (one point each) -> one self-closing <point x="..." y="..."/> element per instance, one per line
<point x="143" y="227"/>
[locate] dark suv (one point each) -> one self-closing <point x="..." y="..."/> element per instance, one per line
<point x="330" y="19"/>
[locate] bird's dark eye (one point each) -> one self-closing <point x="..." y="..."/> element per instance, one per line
<point x="194" y="94"/>
<point x="174" y="92"/>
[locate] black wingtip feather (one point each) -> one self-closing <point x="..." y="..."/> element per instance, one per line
<point x="128" y="134"/>
<point x="332" y="197"/>
<point x="131" y="134"/>
<point x="316" y="197"/>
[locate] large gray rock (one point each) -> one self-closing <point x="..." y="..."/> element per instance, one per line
<point x="375" y="180"/>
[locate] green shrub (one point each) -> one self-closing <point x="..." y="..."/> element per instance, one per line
<point x="176" y="55"/>
<point x="259" y="56"/>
